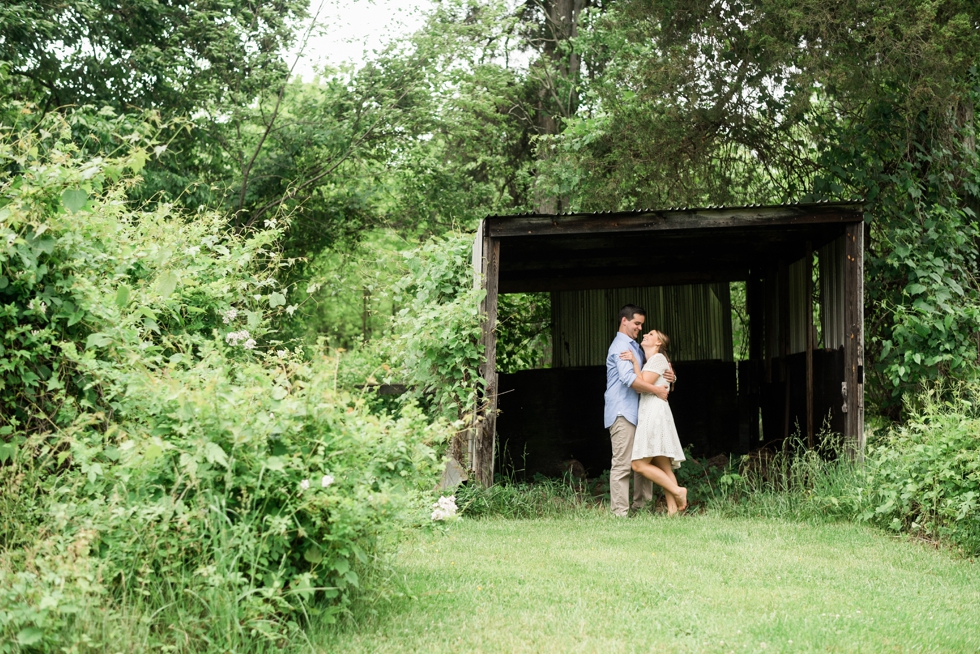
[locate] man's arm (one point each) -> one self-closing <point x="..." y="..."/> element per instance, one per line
<point x="641" y="386"/>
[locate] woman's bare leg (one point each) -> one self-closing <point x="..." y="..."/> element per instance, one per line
<point x="663" y="463"/>
<point x="662" y="479"/>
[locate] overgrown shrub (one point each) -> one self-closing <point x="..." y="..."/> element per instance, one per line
<point x="436" y="348"/>
<point x="162" y="454"/>
<point x="924" y="477"/>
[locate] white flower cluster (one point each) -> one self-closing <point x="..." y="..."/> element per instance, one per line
<point x="40" y="306"/>
<point x="230" y="315"/>
<point x="445" y="508"/>
<point x="325" y="481"/>
<point x="243" y="337"/>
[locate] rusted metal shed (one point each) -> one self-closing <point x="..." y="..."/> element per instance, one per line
<point x="678" y="264"/>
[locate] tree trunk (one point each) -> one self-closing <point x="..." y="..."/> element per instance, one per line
<point x="557" y="72"/>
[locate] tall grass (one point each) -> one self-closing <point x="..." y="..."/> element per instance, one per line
<point x="790" y="482"/>
<point x="544" y="497"/>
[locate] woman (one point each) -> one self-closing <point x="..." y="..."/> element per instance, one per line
<point x="656" y="448"/>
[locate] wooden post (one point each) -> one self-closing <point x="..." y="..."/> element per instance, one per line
<point x="784" y="339"/>
<point x="481" y="462"/>
<point x="772" y="323"/>
<point x="755" y="306"/>
<point x="755" y="302"/>
<point x="808" y="268"/>
<point x="854" y="337"/>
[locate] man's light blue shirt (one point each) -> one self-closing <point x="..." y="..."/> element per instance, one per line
<point x="621" y="400"/>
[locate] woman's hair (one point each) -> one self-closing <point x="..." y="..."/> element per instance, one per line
<point x="664" y="344"/>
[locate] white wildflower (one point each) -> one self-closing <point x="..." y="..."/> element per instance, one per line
<point x="305" y="484"/>
<point x="230" y="315"/>
<point x="326" y="481"/>
<point x="194" y="250"/>
<point x="271" y="224"/>
<point x="249" y="344"/>
<point x="445" y="508"/>
<point x="11" y="238"/>
<point x="234" y="338"/>
<point x="282" y="353"/>
<point x="43" y="308"/>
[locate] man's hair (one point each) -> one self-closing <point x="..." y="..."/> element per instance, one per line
<point x="630" y="310"/>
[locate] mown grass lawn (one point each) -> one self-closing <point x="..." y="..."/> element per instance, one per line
<point x="692" y="584"/>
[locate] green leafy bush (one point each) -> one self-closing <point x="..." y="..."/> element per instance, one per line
<point x="162" y="454"/>
<point x="924" y="477"/>
<point x="437" y="349"/>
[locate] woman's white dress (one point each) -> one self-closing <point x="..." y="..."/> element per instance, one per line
<point x="656" y="434"/>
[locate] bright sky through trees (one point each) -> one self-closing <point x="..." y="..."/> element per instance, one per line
<point x="350" y="31"/>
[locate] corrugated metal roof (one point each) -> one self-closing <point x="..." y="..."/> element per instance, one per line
<point x="823" y="204"/>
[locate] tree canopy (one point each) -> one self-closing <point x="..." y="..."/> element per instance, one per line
<point x="557" y="105"/>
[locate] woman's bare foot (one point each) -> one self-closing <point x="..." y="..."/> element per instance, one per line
<point x="681" y="499"/>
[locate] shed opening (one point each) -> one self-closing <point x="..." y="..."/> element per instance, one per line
<point x="799" y="271"/>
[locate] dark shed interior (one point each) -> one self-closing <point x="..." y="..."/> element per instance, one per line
<point x="680" y="261"/>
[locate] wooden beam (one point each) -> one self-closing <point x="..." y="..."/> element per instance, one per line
<point x="808" y="268"/>
<point x="854" y="338"/>
<point x="482" y="459"/>
<point x="657" y="221"/>
<point x="571" y="281"/>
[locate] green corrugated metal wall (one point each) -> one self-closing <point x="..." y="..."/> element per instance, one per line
<point x="696" y="317"/>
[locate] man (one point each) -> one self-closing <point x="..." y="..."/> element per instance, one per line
<point x="622" y="405"/>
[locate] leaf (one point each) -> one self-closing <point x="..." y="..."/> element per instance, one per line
<point x="45" y="245"/>
<point x="274" y="463"/>
<point x="122" y="296"/>
<point x="313" y="555"/>
<point x="74" y="200"/>
<point x="214" y="454"/>
<point x="166" y="284"/>
<point x="29" y="636"/>
<point x="98" y="339"/>
<point x="277" y="300"/>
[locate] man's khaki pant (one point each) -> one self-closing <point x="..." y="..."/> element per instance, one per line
<point x="622" y="433"/>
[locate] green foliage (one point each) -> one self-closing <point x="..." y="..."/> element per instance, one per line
<point x="523" y="331"/>
<point x="436" y="349"/>
<point x="924" y="477"/>
<point x="162" y="452"/>
<point x="84" y="277"/>
<point x="173" y="56"/>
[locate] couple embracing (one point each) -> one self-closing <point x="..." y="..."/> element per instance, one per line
<point x="644" y="438"/>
